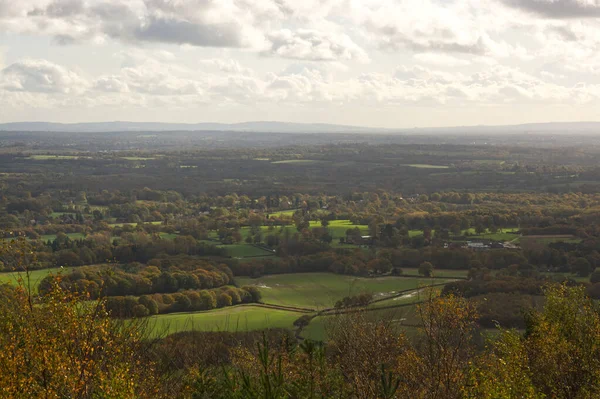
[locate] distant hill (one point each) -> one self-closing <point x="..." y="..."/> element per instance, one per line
<point x="550" y="127"/>
<point x="266" y="127"/>
<point x="285" y="127"/>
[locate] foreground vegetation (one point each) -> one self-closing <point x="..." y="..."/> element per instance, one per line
<point x="59" y="347"/>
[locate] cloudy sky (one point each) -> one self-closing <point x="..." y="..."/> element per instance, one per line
<point x="387" y="63"/>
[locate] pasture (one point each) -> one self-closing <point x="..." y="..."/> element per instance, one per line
<point x="298" y="162"/>
<point x="138" y="158"/>
<point x="35" y="276"/>
<point x="425" y="166"/>
<point x="337" y="228"/>
<point x="231" y="319"/>
<point x="52" y="237"/>
<point x="322" y="290"/>
<point x="437" y="273"/>
<point x="42" y="157"/>
<point x="133" y="224"/>
<point x="506" y="234"/>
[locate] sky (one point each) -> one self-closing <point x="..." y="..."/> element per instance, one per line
<point x="380" y="63"/>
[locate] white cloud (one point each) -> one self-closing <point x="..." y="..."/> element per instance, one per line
<point x="441" y="60"/>
<point x="315" y="46"/>
<point x="320" y="54"/>
<point x="229" y="66"/>
<point x="41" y="76"/>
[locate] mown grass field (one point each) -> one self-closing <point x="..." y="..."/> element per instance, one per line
<point x="232" y="319"/>
<point x="322" y="290"/>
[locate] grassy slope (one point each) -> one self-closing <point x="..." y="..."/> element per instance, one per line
<point x="238" y="318"/>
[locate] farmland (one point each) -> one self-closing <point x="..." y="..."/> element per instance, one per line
<point x="322" y="290"/>
<point x="238" y="318"/>
<point x="35" y="276"/>
<point x="298" y="162"/>
<point x="41" y="157"/>
<point x="302" y="291"/>
<point x="426" y="166"/>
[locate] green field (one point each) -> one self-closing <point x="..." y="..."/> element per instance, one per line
<point x="337" y="229"/>
<point x="138" y="158"/>
<point x="299" y="161"/>
<point x="54" y="157"/>
<point x="35" y="276"/>
<point x="59" y="214"/>
<point x="132" y="224"/>
<point x="322" y="290"/>
<point x="237" y="318"/>
<point x="425" y="166"/>
<point x="506" y="234"/>
<point x="444" y="273"/>
<point x="52" y="237"/>
<point x="288" y="212"/>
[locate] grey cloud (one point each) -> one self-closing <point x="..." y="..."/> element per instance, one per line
<point x="184" y="32"/>
<point x="59" y="9"/>
<point x="564" y="33"/>
<point x="197" y="23"/>
<point x="558" y="9"/>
